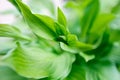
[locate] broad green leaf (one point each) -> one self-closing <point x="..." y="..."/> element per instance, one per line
<point x="8" y="74"/>
<point x="114" y="54"/>
<point x="91" y="11"/>
<point x="101" y="23"/>
<point x="103" y="48"/>
<point x="10" y="31"/>
<point x="102" y="70"/>
<point x="61" y="72"/>
<point x="99" y="26"/>
<point x="77" y="73"/>
<point x="115" y="35"/>
<point x="61" y="18"/>
<point x="33" y="62"/>
<point x="38" y="23"/>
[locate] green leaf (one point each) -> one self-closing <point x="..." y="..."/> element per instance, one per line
<point x="61" y="72"/>
<point x="33" y="62"/>
<point x="8" y="74"/>
<point x="38" y="23"/>
<point x="114" y="54"/>
<point x="103" y="48"/>
<point x="11" y="31"/>
<point x="60" y="29"/>
<point x="61" y="18"/>
<point x="99" y="26"/>
<point x="48" y="21"/>
<point x="77" y="73"/>
<point x="90" y="14"/>
<point x="114" y="35"/>
<point x="102" y="70"/>
<point x="73" y="42"/>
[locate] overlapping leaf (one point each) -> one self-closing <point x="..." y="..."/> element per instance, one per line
<point x="41" y="25"/>
<point x="89" y="17"/>
<point x="33" y="62"/>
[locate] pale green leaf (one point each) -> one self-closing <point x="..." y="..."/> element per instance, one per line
<point x="102" y="71"/>
<point x="114" y="54"/>
<point x="33" y="62"/>
<point x="115" y="35"/>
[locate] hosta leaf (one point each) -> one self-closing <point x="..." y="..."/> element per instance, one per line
<point x="89" y="17"/>
<point x="41" y="25"/>
<point x="99" y="26"/>
<point x="114" y="54"/>
<point x="115" y="35"/>
<point x="8" y="74"/>
<point x="33" y="62"/>
<point x="101" y="23"/>
<point x="102" y="71"/>
<point x="77" y="73"/>
<point x="10" y="31"/>
<point x="60" y="72"/>
<point x="102" y="48"/>
<point x="61" y="18"/>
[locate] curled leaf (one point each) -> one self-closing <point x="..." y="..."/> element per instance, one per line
<point x="33" y="62"/>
